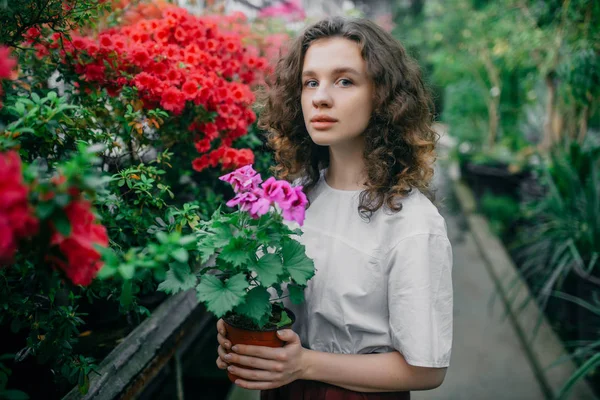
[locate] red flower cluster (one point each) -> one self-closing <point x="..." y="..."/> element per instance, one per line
<point x="82" y="259"/>
<point x="17" y="221"/>
<point x="16" y="216"/>
<point x="178" y="62"/>
<point x="7" y="64"/>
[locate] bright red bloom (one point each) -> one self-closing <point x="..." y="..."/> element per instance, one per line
<point x="173" y="100"/>
<point x="7" y="64"/>
<point x="190" y="89"/>
<point x="82" y="259"/>
<point x="16" y="215"/>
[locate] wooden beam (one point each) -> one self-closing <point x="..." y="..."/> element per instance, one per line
<point x="128" y="369"/>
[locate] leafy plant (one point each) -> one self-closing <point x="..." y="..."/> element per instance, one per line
<point x="248" y="252"/>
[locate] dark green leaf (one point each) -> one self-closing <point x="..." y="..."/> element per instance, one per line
<point x="45" y="209"/>
<point x="222" y="297"/>
<point x="126" y="297"/>
<point x="296" y="293"/>
<point x="12" y="394"/>
<point x="296" y="262"/>
<point x="256" y="306"/>
<point x="61" y="222"/>
<point x="180" y="255"/>
<point x="178" y="279"/>
<point x="236" y="252"/>
<point x="268" y="268"/>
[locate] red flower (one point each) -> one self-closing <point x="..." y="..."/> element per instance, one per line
<point x="82" y="259"/>
<point x="16" y="216"/>
<point x="173" y="100"/>
<point x="7" y="64"/>
<point x="190" y="89"/>
<point x="202" y="146"/>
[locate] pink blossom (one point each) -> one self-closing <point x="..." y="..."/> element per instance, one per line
<point x="290" y="10"/>
<point x="252" y="202"/>
<point x="297" y="209"/>
<point x="280" y="192"/>
<point x="243" y="179"/>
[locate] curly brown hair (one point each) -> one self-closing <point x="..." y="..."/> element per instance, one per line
<point x="399" y="139"/>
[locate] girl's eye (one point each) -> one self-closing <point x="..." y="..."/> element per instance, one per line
<point x="310" y="84"/>
<point x="345" y="82"/>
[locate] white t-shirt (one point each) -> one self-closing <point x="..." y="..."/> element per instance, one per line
<point x="379" y="286"/>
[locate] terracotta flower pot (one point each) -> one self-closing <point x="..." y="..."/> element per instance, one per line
<point x="266" y="337"/>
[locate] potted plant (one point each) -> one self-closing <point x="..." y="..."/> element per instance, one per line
<point x="249" y="257"/>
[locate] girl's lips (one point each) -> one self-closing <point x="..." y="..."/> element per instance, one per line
<point x="322" y="124"/>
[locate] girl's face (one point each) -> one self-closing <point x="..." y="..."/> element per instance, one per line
<point x="337" y="94"/>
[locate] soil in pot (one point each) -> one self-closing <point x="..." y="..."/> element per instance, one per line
<point x="240" y="332"/>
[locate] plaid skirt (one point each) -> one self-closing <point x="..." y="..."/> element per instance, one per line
<point x="314" y="390"/>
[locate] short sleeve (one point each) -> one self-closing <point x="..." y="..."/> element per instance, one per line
<point x="420" y="299"/>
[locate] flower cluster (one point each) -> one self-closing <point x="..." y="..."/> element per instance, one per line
<point x="16" y="215"/>
<point x="7" y="64"/>
<point x="256" y="197"/>
<point x="197" y="65"/>
<point x="78" y="256"/>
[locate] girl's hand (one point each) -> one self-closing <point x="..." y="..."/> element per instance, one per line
<point x="273" y="367"/>
<point x="224" y="344"/>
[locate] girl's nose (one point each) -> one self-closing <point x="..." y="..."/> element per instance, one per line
<point x="322" y="98"/>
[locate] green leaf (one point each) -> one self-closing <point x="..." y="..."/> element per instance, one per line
<point x="180" y="255"/>
<point x="12" y="394"/>
<point x="186" y="240"/>
<point x="300" y="267"/>
<point x="127" y="270"/>
<point x="126" y="297"/>
<point x="236" y="252"/>
<point x="61" y="222"/>
<point x="285" y="320"/>
<point x="257" y="306"/>
<point x="296" y="293"/>
<point x="45" y="209"/>
<point x="222" y="297"/>
<point x="206" y="248"/>
<point x="268" y="268"/>
<point x="106" y="272"/>
<point x="585" y="369"/>
<point x="162" y="237"/>
<point x="178" y="279"/>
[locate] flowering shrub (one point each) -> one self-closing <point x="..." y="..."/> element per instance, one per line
<point x="183" y="64"/>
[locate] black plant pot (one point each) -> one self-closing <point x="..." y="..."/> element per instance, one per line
<point x="494" y="178"/>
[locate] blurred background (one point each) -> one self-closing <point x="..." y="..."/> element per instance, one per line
<point x="116" y="99"/>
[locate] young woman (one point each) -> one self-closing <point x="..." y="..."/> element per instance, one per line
<point x="347" y="114"/>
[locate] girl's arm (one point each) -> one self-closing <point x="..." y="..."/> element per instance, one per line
<point x="386" y="372"/>
<point x="266" y="368"/>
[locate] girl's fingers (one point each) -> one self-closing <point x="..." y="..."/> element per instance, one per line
<point x="253" y="362"/>
<point x="221" y="364"/>
<point x="254" y="374"/>
<point x="221" y="327"/>
<point x="222" y="354"/>
<point x="223" y="341"/>
<point x="255" y="385"/>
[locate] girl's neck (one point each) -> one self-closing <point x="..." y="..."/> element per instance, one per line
<point x="346" y="167"/>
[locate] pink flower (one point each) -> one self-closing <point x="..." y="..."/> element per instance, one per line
<point x="243" y="179"/>
<point x="252" y="202"/>
<point x="296" y="211"/>
<point x="280" y="192"/>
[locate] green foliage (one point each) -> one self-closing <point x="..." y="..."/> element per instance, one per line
<point x="501" y="211"/>
<point x="18" y="16"/>
<point x="250" y="256"/>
